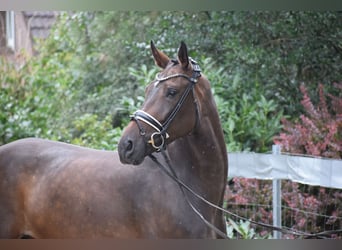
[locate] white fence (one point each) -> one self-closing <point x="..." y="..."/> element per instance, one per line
<point x="312" y="171"/>
<point x="306" y="170"/>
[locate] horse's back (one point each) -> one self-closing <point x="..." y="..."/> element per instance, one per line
<point x="45" y="181"/>
<point x="37" y="156"/>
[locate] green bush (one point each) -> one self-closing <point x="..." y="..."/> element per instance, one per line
<point x="22" y="105"/>
<point x="248" y="119"/>
<point x="276" y="50"/>
<point x="89" y="131"/>
<point x="36" y="96"/>
<point x="96" y="63"/>
<point x="243" y="230"/>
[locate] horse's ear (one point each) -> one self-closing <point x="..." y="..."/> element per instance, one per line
<point x="159" y="57"/>
<point x="183" y="55"/>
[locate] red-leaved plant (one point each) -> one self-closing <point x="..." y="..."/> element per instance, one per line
<point x="319" y="131"/>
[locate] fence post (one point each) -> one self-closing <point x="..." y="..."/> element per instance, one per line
<point x="276" y="198"/>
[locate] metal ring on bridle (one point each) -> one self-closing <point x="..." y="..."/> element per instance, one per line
<point x="153" y="143"/>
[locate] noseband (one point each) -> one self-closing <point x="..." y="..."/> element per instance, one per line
<point x="158" y="138"/>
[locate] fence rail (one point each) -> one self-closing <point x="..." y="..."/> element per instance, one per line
<point x="276" y="167"/>
<point x="306" y="170"/>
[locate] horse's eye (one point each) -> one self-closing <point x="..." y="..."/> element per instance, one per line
<point x="171" y="92"/>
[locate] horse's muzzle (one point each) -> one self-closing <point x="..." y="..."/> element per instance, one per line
<point x="131" y="148"/>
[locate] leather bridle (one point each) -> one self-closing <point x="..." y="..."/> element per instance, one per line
<point x="159" y="137"/>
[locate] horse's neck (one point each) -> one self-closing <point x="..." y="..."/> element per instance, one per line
<point x="202" y="156"/>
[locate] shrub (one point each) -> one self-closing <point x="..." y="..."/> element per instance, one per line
<point x="248" y="118"/>
<point x="89" y="130"/>
<point x="310" y="208"/>
<point x="35" y="97"/>
<point x="319" y="131"/>
<point x="29" y="101"/>
<point x="305" y="208"/>
<point x="243" y="230"/>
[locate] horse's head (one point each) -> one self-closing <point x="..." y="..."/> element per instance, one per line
<point x="169" y="110"/>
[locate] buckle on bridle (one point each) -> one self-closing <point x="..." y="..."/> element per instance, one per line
<point x="153" y="142"/>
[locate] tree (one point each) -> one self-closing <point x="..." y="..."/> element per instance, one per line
<point x="278" y="50"/>
<point x="259" y="57"/>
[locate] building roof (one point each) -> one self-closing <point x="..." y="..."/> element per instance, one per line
<point x="40" y="22"/>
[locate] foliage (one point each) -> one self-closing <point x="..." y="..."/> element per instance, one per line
<point x="304" y="208"/>
<point x="276" y="50"/>
<point x="319" y="132"/>
<point x="244" y="230"/>
<point x="31" y="98"/>
<point x="242" y="196"/>
<point x="261" y="57"/>
<point x="282" y="49"/>
<point x="87" y="66"/>
<point x="88" y="130"/>
<point x="106" y="50"/>
<point x="249" y="120"/>
<point x="306" y="205"/>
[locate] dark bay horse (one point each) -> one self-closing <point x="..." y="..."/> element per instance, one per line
<point x="56" y="190"/>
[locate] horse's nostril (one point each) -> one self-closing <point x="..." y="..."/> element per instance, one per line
<point x="129" y="145"/>
<point x="126" y="150"/>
